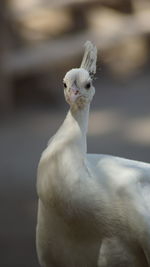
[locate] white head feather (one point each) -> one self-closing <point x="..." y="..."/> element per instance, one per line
<point x="89" y="58"/>
<point x="78" y="88"/>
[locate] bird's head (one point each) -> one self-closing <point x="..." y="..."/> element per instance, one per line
<point x="78" y="87"/>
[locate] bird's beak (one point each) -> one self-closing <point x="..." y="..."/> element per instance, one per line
<point x="74" y="93"/>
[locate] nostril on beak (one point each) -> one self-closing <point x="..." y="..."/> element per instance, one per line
<point x="76" y="92"/>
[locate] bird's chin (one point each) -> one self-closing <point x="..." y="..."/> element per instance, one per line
<point x="79" y="103"/>
<point x="81" y="100"/>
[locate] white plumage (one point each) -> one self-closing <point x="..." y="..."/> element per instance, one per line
<point x="94" y="210"/>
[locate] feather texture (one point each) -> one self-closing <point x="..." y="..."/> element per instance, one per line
<point x="94" y="210"/>
<point x="89" y="59"/>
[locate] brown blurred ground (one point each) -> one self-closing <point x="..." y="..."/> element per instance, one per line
<point x="119" y="118"/>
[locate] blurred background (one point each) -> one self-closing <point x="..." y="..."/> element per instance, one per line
<point x="41" y="40"/>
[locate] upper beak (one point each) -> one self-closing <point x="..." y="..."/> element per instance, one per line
<point x="74" y="93"/>
<point x="74" y="90"/>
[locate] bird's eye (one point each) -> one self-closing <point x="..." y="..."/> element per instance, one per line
<point x="88" y="85"/>
<point x="65" y="85"/>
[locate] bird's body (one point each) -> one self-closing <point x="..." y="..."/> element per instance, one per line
<point x="94" y="210"/>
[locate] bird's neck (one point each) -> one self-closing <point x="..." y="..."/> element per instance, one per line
<point x="76" y="124"/>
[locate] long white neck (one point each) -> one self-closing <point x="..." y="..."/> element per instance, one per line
<point x="76" y="123"/>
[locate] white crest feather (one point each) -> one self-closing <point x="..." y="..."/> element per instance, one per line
<point x="89" y="58"/>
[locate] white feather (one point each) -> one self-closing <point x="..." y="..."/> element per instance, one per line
<point x="89" y="58"/>
<point x="94" y="210"/>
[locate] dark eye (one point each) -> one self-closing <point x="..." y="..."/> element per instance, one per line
<point x="65" y="85"/>
<point x="88" y="85"/>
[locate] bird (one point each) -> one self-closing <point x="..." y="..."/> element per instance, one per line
<point x="93" y="209"/>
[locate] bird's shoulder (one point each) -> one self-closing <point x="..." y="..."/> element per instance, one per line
<point x="120" y="170"/>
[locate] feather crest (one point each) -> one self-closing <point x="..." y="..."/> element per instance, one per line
<point x="89" y="58"/>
